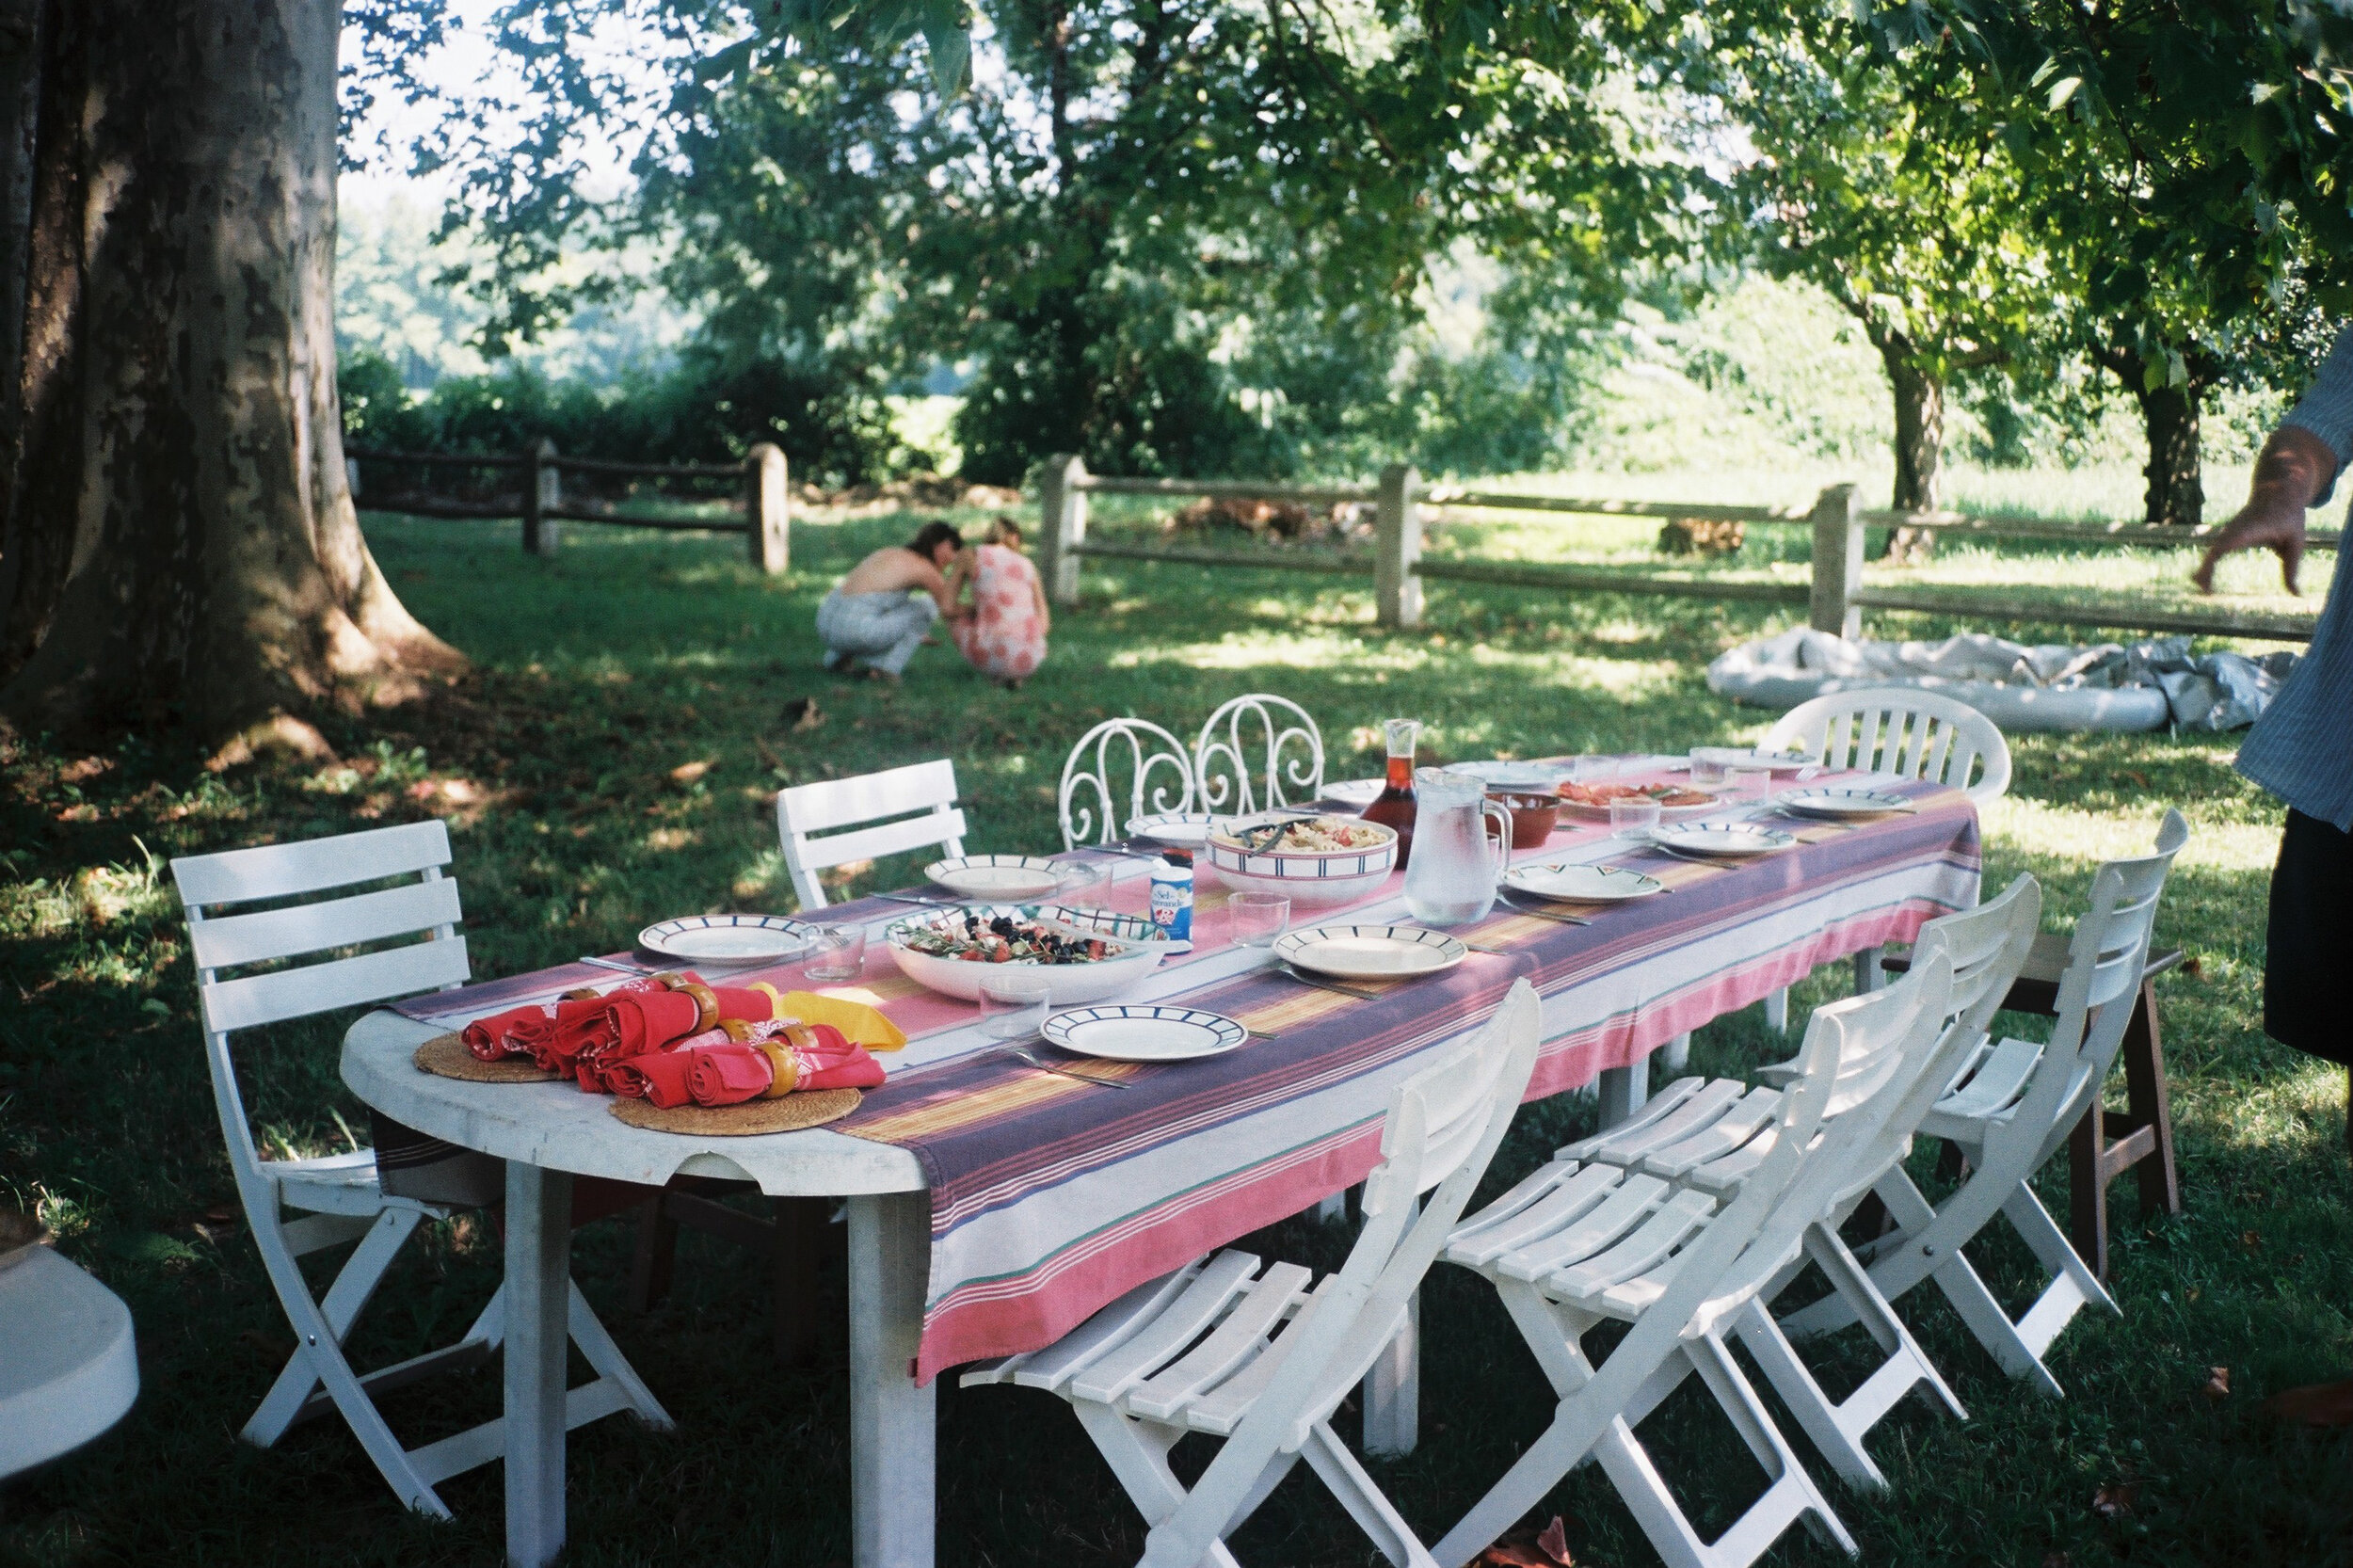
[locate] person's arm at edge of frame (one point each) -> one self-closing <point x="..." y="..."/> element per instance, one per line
<point x="2294" y="472"/>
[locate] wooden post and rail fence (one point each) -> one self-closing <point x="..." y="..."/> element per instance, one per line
<point x="1835" y="596"/>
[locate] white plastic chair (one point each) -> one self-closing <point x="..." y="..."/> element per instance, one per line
<point x="1902" y="730"/>
<point x="1137" y="748"/>
<point x="1577" y="1245"/>
<point x="921" y="797"/>
<point x="337" y="1196"/>
<point x="71" y="1367"/>
<point x="1207" y="1350"/>
<point x="2011" y="1110"/>
<point x="1258" y="752"/>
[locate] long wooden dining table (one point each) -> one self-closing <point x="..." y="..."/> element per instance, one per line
<point x="991" y="1207"/>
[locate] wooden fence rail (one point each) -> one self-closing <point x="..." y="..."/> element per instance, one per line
<point x="539" y="502"/>
<point x="1834" y="594"/>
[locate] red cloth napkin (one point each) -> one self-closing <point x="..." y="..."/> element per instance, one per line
<point x="714" y="1068"/>
<point x="532" y="1031"/>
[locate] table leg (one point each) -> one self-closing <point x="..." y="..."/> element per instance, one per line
<point x="538" y="1301"/>
<point x="1622" y="1091"/>
<point x="1392" y="1389"/>
<point x="1676" y="1053"/>
<point x="1868" y="976"/>
<point x="893" y="1423"/>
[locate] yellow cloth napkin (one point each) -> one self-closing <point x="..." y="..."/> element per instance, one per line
<point x="860" y="1024"/>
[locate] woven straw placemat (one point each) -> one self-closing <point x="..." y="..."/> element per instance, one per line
<point x="446" y="1056"/>
<point x="811" y="1108"/>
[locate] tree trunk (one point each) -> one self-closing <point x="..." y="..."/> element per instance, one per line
<point x="1919" y="447"/>
<point x="2177" y="492"/>
<point x="174" y="513"/>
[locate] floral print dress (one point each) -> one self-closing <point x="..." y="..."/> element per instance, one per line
<point x="1003" y="637"/>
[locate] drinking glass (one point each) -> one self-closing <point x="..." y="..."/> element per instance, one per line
<point x="1013" y="1004"/>
<point x="839" y="953"/>
<point x="1709" y="765"/>
<point x="1086" y="885"/>
<point x="1255" y="919"/>
<point x="1592" y="770"/>
<point x="1632" y="816"/>
<point x="1751" y="784"/>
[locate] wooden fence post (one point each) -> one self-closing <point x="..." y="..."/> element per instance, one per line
<point x="767" y="508"/>
<point x="1397" y="547"/>
<point x="543" y="491"/>
<point x="1837" y="563"/>
<point x="1061" y="524"/>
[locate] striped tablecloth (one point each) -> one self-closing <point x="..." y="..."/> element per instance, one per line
<point x="1051" y="1198"/>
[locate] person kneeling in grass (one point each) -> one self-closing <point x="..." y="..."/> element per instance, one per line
<point x="883" y="610"/>
<point x="1004" y="633"/>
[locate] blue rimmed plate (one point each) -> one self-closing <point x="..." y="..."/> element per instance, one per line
<point x="1737" y="840"/>
<point x="1836" y="801"/>
<point x="1141" y="1033"/>
<point x="1178" y="830"/>
<point x="1582" y="884"/>
<point x="1369" y="951"/>
<point x="1002" y="878"/>
<point x="727" y="938"/>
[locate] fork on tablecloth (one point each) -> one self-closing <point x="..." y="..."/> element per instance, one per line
<point x="1028" y="1057"/>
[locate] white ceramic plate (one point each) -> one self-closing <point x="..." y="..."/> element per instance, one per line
<point x="1145" y="1033"/>
<point x="1178" y="830"/>
<point x="1840" y="801"/>
<point x="1534" y="777"/>
<point x="1737" y="840"/>
<point x="1359" y="793"/>
<point x="1578" y="810"/>
<point x="1001" y="877"/>
<point x="1369" y="951"/>
<point x="727" y="938"/>
<point x="1582" y="884"/>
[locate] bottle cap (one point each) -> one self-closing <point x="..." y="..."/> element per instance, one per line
<point x="1177" y="856"/>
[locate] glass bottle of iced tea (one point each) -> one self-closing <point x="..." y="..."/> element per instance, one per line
<point x="1394" y="806"/>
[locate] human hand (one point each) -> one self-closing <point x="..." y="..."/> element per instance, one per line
<point x="2293" y="469"/>
<point x="2284" y="536"/>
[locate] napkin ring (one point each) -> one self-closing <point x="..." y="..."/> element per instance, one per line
<point x="706" y="1003"/>
<point x="785" y="1068"/>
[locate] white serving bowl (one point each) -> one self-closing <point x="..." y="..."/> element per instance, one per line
<point x="1063" y="984"/>
<point x="1306" y="876"/>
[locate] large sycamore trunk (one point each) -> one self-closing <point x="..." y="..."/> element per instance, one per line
<point x="2177" y="492"/>
<point x="176" y="535"/>
<point x="1919" y="432"/>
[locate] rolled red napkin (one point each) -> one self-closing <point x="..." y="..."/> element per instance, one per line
<point x="636" y="1022"/>
<point x="529" y="1031"/>
<point x="727" y="1066"/>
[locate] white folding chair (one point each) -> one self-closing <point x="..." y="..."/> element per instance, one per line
<point x="2011" y="1110"/>
<point x="337" y="1196"/>
<point x="1902" y="730"/>
<point x="1138" y="749"/>
<point x="921" y="798"/>
<point x="1207" y="1350"/>
<point x="1257" y="751"/>
<point x="1577" y="1245"/>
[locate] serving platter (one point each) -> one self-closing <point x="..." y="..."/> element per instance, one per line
<point x="1369" y="951"/>
<point x="727" y="938"/>
<point x="1738" y="840"/>
<point x="1145" y="1033"/>
<point x="1840" y="801"/>
<point x="997" y="876"/>
<point x="1575" y="883"/>
<point x="1583" y="810"/>
<point x="1498" y="775"/>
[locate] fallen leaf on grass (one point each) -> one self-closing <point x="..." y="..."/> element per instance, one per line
<point x="2251" y="1240"/>
<point x="2116" y="1502"/>
<point x="1524" y="1548"/>
<point x="2217" y="1383"/>
<point x="686" y="772"/>
<point x="2192" y="967"/>
<point x="2316" y="1404"/>
<point x="802" y="714"/>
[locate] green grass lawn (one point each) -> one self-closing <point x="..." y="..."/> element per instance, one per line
<point x="572" y="766"/>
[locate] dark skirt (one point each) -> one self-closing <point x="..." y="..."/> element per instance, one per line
<point x="2305" y="995"/>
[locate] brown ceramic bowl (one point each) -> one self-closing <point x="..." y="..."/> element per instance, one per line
<point x="1533" y="816"/>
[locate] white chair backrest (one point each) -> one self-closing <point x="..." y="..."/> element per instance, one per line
<point x="1443" y="1127"/>
<point x="920" y="798"/>
<point x="1255" y="753"/>
<point x="211" y="885"/>
<point x="1902" y="730"/>
<point x="2096" y="994"/>
<point x="1153" y="761"/>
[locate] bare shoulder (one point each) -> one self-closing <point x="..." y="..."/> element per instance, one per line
<point x="887" y="569"/>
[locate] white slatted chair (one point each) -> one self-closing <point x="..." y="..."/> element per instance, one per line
<point x="336" y="1196"/>
<point x="1902" y="730"/>
<point x="2010" y="1110"/>
<point x="1207" y="1349"/>
<point x="1709" y="1134"/>
<point x="1137" y="749"/>
<point x="1258" y="752"/>
<point x="1575" y="1246"/>
<point x="920" y="798"/>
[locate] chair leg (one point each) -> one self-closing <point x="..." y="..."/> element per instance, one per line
<point x="362" y="1273"/>
<point x="2151" y="1103"/>
<point x="657" y="1251"/>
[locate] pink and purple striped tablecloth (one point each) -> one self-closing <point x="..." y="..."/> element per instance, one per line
<point x="1051" y="1198"/>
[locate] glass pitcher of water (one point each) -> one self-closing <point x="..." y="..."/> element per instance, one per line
<point x="1453" y="874"/>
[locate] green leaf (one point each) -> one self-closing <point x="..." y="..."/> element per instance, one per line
<point x="2061" y="90"/>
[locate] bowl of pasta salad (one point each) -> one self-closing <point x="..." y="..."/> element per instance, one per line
<point x="1313" y="859"/>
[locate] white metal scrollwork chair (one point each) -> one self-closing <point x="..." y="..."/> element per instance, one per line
<point x="337" y="1196"/>
<point x="1137" y="749"/>
<point x="1710" y="1133"/>
<point x="921" y="798"/>
<point x="1207" y="1350"/>
<point x="1575" y="1246"/>
<point x="1902" y="730"/>
<point x="1258" y="752"/>
<point x="2009" y="1111"/>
